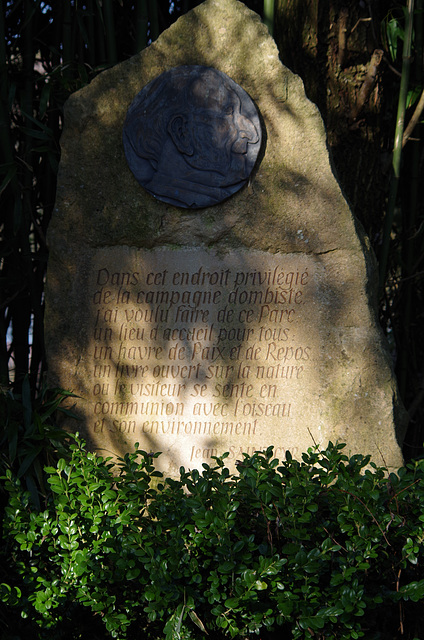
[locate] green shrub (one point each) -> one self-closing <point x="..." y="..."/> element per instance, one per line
<point x="327" y="547"/>
<point x="30" y="438"/>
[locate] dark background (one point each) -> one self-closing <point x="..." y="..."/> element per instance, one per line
<point x="350" y="56"/>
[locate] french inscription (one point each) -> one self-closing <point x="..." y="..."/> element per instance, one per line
<point x="206" y="354"/>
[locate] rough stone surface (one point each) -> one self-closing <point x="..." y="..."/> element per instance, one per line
<point x="291" y="217"/>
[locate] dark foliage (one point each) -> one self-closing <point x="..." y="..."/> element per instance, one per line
<point x="319" y="548"/>
<point x="328" y="547"/>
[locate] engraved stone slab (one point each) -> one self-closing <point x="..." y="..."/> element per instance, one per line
<point x="198" y="353"/>
<point x="236" y="326"/>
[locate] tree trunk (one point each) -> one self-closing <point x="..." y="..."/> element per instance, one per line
<point x="334" y="46"/>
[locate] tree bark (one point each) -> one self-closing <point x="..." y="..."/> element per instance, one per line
<point x="334" y="46"/>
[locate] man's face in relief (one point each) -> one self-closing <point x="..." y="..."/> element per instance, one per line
<point x="221" y="133"/>
<point x="192" y="136"/>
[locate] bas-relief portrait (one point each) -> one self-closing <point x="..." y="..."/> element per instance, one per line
<point x="191" y="137"/>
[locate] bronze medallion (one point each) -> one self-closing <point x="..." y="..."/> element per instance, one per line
<point x="192" y="136"/>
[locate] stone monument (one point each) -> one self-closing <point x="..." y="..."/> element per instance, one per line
<point x="215" y="294"/>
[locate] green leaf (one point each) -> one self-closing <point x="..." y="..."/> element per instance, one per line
<point x="133" y="573"/>
<point x="260" y="585"/>
<point x="10" y="175"/>
<point x="394" y="33"/>
<point x="79" y="564"/>
<point x="312" y="507"/>
<point x="312" y="622"/>
<point x="238" y="546"/>
<point x="108" y="494"/>
<point x="413" y="591"/>
<point x="9" y="595"/>
<point x="49" y="469"/>
<point x="195" y="618"/>
<point x="226" y="567"/>
<point x="26" y="403"/>
<point x="232" y="603"/>
<point x="173" y="626"/>
<point x="28" y="460"/>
